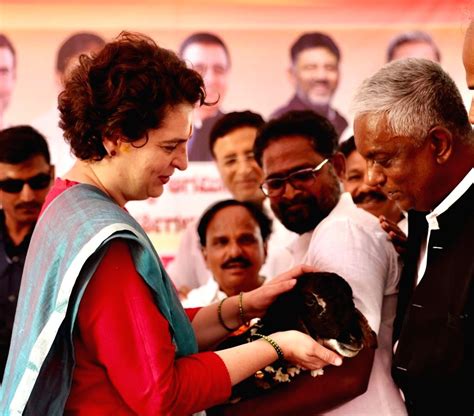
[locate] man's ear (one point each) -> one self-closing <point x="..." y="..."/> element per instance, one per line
<point x="441" y="143"/>
<point x="339" y="162"/>
<point x="59" y="80"/>
<point x="204" y="253"/>
<point x="291" y="72"/>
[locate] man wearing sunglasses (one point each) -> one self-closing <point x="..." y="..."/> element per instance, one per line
<point x="302" y="172"/>
<point x="25" y="178"/>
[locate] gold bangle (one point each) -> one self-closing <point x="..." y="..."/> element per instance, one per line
<point x="241" y="309"/>
<point x="273" y="343"/>
<point x="219" y="316"/>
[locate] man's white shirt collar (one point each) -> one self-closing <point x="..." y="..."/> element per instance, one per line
<point x="447" y="202"/>
<point x="432" y="218"/>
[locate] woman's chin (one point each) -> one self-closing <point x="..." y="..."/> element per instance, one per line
<point x="156" y="192"/>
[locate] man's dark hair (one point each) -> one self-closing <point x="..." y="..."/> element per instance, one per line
<point x="233" y="121"/>
<point x="263" y="221"/>
<point x="416" y="36"/>
<point x="314" y="40"/>
<point x="347" y="147"/>
<point x="127" y="89"/>
<point x="6" y="43"/>
<point x="205" y="38"/>
<point x="74" y="45"/>
<point x="317" y="129"/>
<point x="20" y="143"/>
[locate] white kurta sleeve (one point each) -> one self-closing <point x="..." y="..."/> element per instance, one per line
<point x="361" y="255"/>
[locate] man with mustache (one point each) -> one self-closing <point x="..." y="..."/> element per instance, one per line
<point x="302" y="171"/>
<point x="233" y="237"/>
<point x="314" y="74"/>
<point x="25" y="179"/>
<point x="371" y="198"/>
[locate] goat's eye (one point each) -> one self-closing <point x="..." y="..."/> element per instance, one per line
<point x="310" y="300"/>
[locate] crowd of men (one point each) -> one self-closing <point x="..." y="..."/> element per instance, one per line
<point x="391" y="209"/>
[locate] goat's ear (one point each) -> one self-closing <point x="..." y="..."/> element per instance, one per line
<point x="369" y="337"/>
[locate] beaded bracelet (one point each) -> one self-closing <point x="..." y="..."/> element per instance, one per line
<point x="219" y="316"/>
<point x="273" y="343"/>
<point x="241" y="309"/>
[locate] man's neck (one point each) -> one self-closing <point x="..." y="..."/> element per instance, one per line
<point x="322" y="107"/>
<point x="17" y="231"/>
<point x="459" y="166"/>
<point x="252" y="283"/>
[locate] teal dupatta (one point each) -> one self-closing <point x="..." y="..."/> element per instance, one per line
<point x="68" y="244"/>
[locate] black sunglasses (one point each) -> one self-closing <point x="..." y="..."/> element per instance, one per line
<point x="37" y="182"/>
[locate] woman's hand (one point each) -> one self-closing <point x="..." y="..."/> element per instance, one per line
<point x="395" y="234"/>
<point x="207" y="326"/>
<point x="302" y="350"/>
<point x="243" y="360"/>
<point x="256" y="302"/>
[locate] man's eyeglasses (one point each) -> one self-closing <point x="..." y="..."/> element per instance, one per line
<point x="276" y="186"/>
<point x="37" y="182"/>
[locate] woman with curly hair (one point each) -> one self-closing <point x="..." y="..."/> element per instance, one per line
<point x="99" y="327"/>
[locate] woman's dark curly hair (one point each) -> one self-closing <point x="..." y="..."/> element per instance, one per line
<point x="126" y="90"/>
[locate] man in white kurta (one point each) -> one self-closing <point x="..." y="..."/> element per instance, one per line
<point x="301" y="168"/>
<point x="350" y="242"/>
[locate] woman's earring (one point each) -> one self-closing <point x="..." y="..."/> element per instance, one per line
<point x="113" y="153"/>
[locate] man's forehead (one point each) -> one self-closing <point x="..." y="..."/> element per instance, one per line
<point x="293" y="140"/>
<point x="288" y="153"/>
<point x="370" y="123"/>
<point x="368" y="128"/>
<point x="6" y="57"/>
<point x="203" y="53"/>
<point x="242" y="220"/>
<point x="415" y="49"/>
<point x="34" y="165"/>
<point x="240" y="139"/>
<point x="316" y="53"/>
<point x="228" y="231"/>
<point x="371" y="120"/>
